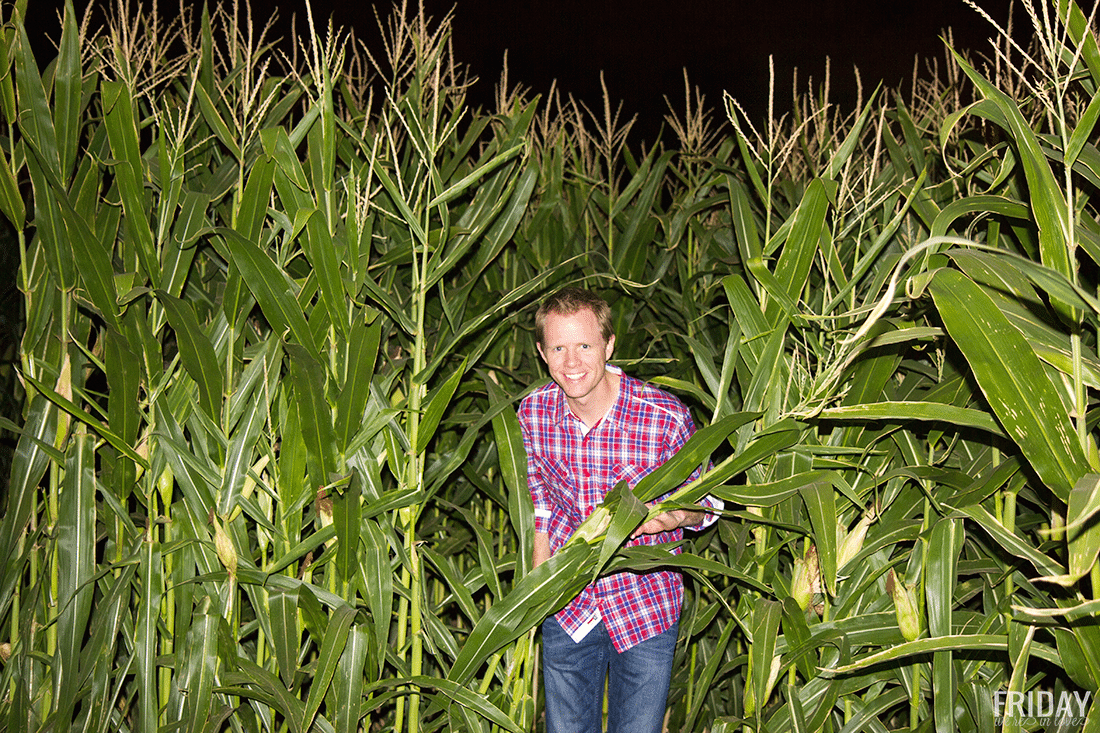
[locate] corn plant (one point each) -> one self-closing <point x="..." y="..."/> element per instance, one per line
<point x="268" y="474"/>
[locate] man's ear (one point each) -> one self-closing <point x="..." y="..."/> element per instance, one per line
<point x="610" y="348"/>
<point x="539" y="347"/>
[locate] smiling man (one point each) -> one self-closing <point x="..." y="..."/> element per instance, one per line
<point x="592" y="427"/>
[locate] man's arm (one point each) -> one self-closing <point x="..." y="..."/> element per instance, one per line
<point x="542" y="549"/>
<point x="539" y="496"/>
<point x="677" y="518"/>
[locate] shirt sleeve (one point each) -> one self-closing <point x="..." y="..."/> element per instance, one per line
<point x="687" y="429"/>
<point x="535" y="482"/>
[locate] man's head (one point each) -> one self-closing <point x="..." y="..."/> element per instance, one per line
<point x="568" y="301"/>
<point x="574" y="339"/>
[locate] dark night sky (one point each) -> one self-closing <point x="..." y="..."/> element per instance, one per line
<point x="643" y="46"/>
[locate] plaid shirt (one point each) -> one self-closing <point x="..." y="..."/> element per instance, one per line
<point x="569" y="474"/>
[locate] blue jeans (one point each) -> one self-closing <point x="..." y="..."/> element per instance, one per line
<point x="637" y="681"/>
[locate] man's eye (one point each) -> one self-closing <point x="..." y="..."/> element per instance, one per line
<point x="584" y="346"/>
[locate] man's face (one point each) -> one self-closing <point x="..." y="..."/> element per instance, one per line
<point x="574" y="350"/>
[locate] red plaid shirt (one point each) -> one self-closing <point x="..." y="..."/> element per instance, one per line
<point x="569" y="474"/>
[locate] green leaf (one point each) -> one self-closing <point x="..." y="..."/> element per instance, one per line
<point x="541" y="592"/>
<point x="717" y="654"/>
<point x="362" y="353"/>
<point x="1083" y="131"/>
<point x="627" y="512"/>
<point x="981" y="204"/>
<point x="254" y="200"/>
<point x="124" y="375"/>
<point x="196" y="353"/>
<point x="274" y="291"/>
<point x="764" y="393"/>
<point x="1012" y="380"/>
<point x="252" y="681"/>
<point x="238" y="457"/>
<point x="956" y="642"/>
<point x="213" y="118"/>
<point x="905" y="411"/>
<point x="458" y="188"/>
<point x="456" y="584"/>
<point x="76" y="566"/>
<point x="282" y="611"/>
<point x="405" y="213"/>
<point x="314" y="416"/>
<point x="177" y="253"/>
<point x="765" y="629"/>
<point x="796" y="633"/>
<point x="29" y="464"/>
<point x="793" y="269"/>
<point x="1082" y="530"/>
<point x="437" y="405"/>
<point x="200" y="662"/>
<point x="1018" y="679"/>
<point x="11" y="201"/>
<point x="1014" y="544"/>
<point x="820" y="500"/>
<point x="691" y="456"/>
<point x="82" y="415"/>
<point x="332" y="649"/>
<point x="322" y="254"/>
<point x="346" y="510"/>
<point x="1048" y="204"/>
<point x="348" y="683"/>
<point x="376" y="577"/>
<point x="744" y="221"/>
<point x="941" y="577"/>
<point x="123" y="134"/>
<point x="512" y="460"/>
<point x="465" y="697"/>
<point x="35" y="121"/>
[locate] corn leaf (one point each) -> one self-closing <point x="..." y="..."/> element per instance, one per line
<point x="129" y="173"/>
<point x="376" y="577"/>
<point x="820" y="500"/>
<point x="274" y="291"/>
<point x="941" y="577"/>
<point x="322" y="254"/>
<point x="332" y="650"/>
<point x="314" y="415"/>
<point x="1012" y="380"/>
<point x="437" y="405"/>
<point x="905" y="411"/>
<point x="765" y="629"/>
<point x="196" y="352"/>
<point x="1048" y="204"/>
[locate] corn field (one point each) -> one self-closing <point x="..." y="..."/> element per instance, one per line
<point x="277" y="305"/>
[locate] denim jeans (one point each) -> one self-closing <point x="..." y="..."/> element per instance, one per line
<point x="637" y="681"/>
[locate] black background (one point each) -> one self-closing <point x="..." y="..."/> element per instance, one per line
<point x="643" y="47"/>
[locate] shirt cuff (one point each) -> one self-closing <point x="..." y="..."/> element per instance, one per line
<point x="542" y="521"/>
<point x="708" y="518"/>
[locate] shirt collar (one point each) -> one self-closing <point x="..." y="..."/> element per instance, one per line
<point x="615" y="417"/>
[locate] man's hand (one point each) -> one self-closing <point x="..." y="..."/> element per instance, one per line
<point x="668" y="521"/>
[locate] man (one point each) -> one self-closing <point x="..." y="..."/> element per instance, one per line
<point x="591" y="428"/>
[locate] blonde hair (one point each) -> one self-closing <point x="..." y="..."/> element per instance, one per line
<point x="568" y="301"/>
